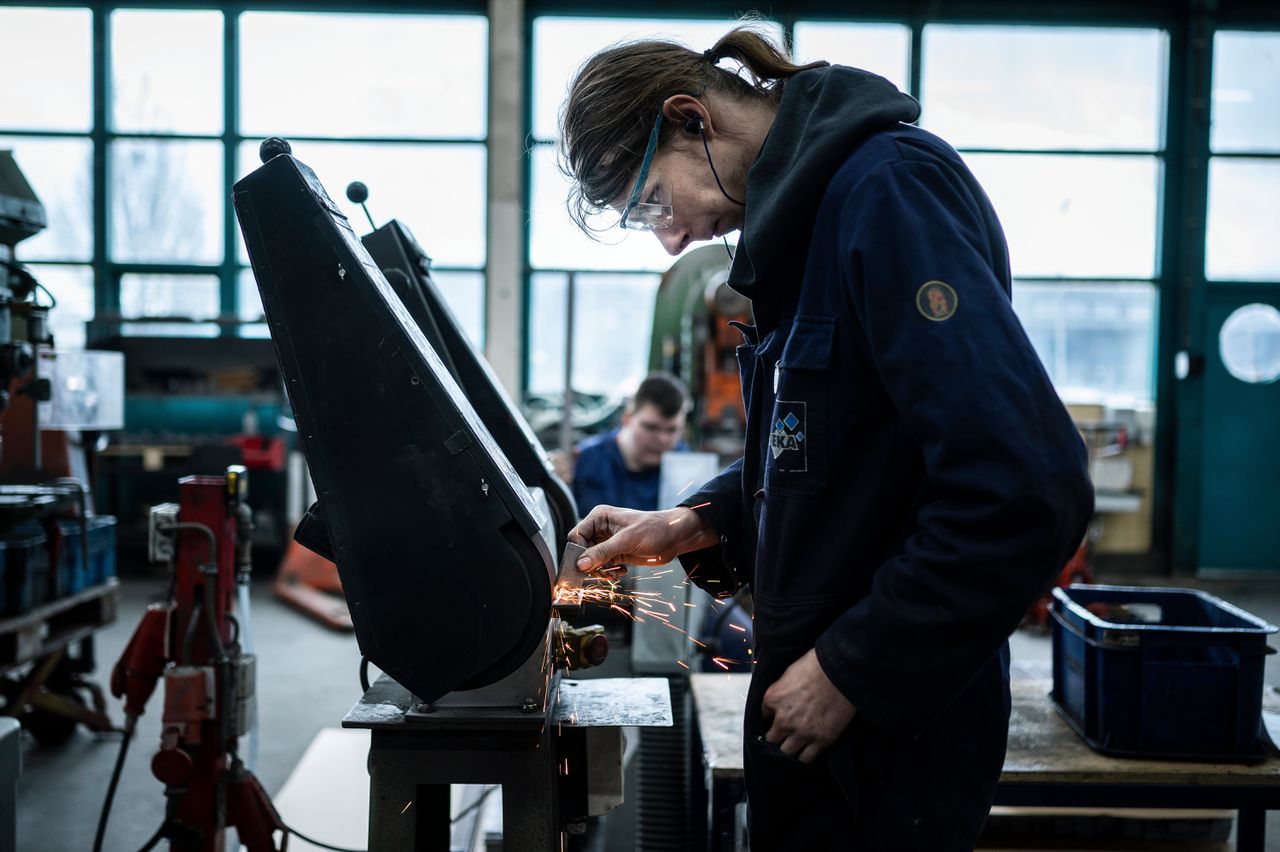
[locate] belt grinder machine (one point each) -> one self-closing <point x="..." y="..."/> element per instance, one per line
<point x="441" y="512"/>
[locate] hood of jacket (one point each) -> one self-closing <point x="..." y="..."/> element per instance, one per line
<point x="824" y="114"/>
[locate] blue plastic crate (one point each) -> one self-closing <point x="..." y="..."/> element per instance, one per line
<point x="26" y="569"/>
<point x="74" y="574"/>
<point x="102" y="549"/>
<point x="1159" y="672"/>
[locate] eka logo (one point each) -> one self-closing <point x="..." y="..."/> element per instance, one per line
<point x="786" y="441"/>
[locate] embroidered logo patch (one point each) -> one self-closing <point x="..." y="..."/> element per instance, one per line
<point x="787" y="440"/>
<point x="936" y="301"/>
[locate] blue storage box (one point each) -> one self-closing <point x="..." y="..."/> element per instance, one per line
<point x="26" y="569"/>
<point x="74" y="574"/>
<point x="102" y="549"/>
<point x="1158" y="672"/>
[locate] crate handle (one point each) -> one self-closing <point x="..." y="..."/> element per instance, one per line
<point x="1057" y="616"/>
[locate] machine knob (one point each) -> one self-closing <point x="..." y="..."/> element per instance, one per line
<point x="595" y="649"/>
<point x="357" y="192"/>
<point x="171" y="766"/>
<point x="272" y="148"/>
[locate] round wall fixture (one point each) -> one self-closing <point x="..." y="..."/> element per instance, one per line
<point x="1250" y="343"/>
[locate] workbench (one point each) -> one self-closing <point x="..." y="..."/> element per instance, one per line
<point x="417" y="750"/>
<point x="1046" y="765"/>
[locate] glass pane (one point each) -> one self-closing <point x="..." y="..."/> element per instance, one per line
<point x="363" y="75"/>
<point x="1097" y="341"/>
<point x="61" y="173"/>
<point x="169" y="296"/>
<point x="556" y="242"/>
<point x="882" y="49"/>
<point x="72" y="286"/>
<point x="250" y="308"/>
<point x="1246" y="92"/>
<point x="561" y="45"/>
<point x="166" y="201"/>
<point x="47" y="67"/>
<point x="1074" y="215"/>
<point x="1244" y="218"/>
<point x="166" y="71"/>
<point x="437" y="190"/>
<point x="464" y="293"/>
<point x="613" y="318"/>
<point x="1044" y="87"/>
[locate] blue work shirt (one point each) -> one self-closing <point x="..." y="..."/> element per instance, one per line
<point x="600" y="477"/>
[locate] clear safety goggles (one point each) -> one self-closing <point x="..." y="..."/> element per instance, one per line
<point x="654" y="212"/>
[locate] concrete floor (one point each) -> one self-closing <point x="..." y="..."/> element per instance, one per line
<point x="307" y="680"/>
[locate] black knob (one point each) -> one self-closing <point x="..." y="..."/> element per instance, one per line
<point x="357" y="192"/>
<point x="272" y="148"/>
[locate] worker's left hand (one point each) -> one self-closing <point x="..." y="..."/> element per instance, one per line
<point x="806" y="709"/>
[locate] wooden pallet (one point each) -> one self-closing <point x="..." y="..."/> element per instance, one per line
<point x="55" y="625"/>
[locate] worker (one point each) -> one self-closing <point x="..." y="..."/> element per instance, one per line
<point x="620" y="467"/>
<point x="911" y="481"/>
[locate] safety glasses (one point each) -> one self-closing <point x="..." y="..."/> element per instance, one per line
<point x="654" y="212"/>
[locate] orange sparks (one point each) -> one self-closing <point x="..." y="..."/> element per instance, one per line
<point x="701" y="505"/>
<point x="406" y="806"/>
<point x="737" y="628"/>
<point x="722" y="662"/>
<point x="683" y="663"/>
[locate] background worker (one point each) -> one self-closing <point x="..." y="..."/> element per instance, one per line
<point x="621" y="467"/>
<point x="911" y="481"/>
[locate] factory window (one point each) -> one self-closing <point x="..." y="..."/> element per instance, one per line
<point x="883" y="49"/>
<point x="407" y="119"/>
<point x="1244" y="172"/>
<point x="415" y="112"/>
<point x="1063" y="127"/>
<point x="616" y="276"/>
<point x="47" y="126"/>
<point x="166" y="72"/>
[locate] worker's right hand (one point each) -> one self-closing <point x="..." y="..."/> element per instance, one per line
<point x="616" y="536"/>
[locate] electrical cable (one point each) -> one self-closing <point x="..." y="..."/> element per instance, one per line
<point x="364" y="673"/>
<point x="714" y="173"/>
<point x="129" y="724"/>
<point x="477" y="803"/>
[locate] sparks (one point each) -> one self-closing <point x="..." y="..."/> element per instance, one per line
<point x="682" y="663"/>
<point x="687" y="486"/>
<point x="406" y="806"/>
<point x="737" y="628"/>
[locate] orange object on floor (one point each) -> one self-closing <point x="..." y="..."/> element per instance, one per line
<point x="309" y="583"/>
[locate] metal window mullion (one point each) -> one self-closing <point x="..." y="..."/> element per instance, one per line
<point x="915" y="57"/>
<point x="228" y="274"/>
<point x="106" y="286"/>
<point x="1179" y="457"/>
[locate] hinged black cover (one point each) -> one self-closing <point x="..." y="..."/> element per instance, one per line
<point x="406" y="266"/>
<point x="444" y="568"/>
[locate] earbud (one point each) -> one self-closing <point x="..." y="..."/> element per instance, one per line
<point x="693" y="124"/>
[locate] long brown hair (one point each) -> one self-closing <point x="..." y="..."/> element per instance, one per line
<point x="617" y="93"/>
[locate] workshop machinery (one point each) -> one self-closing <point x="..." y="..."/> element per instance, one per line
<point x="444" y="548"/>
<point x="193" y="642"/>
<point x="57" y="564"/>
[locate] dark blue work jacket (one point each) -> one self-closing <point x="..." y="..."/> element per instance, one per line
<point x="911" y="484"/>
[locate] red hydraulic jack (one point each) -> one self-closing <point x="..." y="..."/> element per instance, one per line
<point x="192" y="642"/>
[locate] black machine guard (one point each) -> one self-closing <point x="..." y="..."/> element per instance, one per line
<point x="436" y="538"/>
